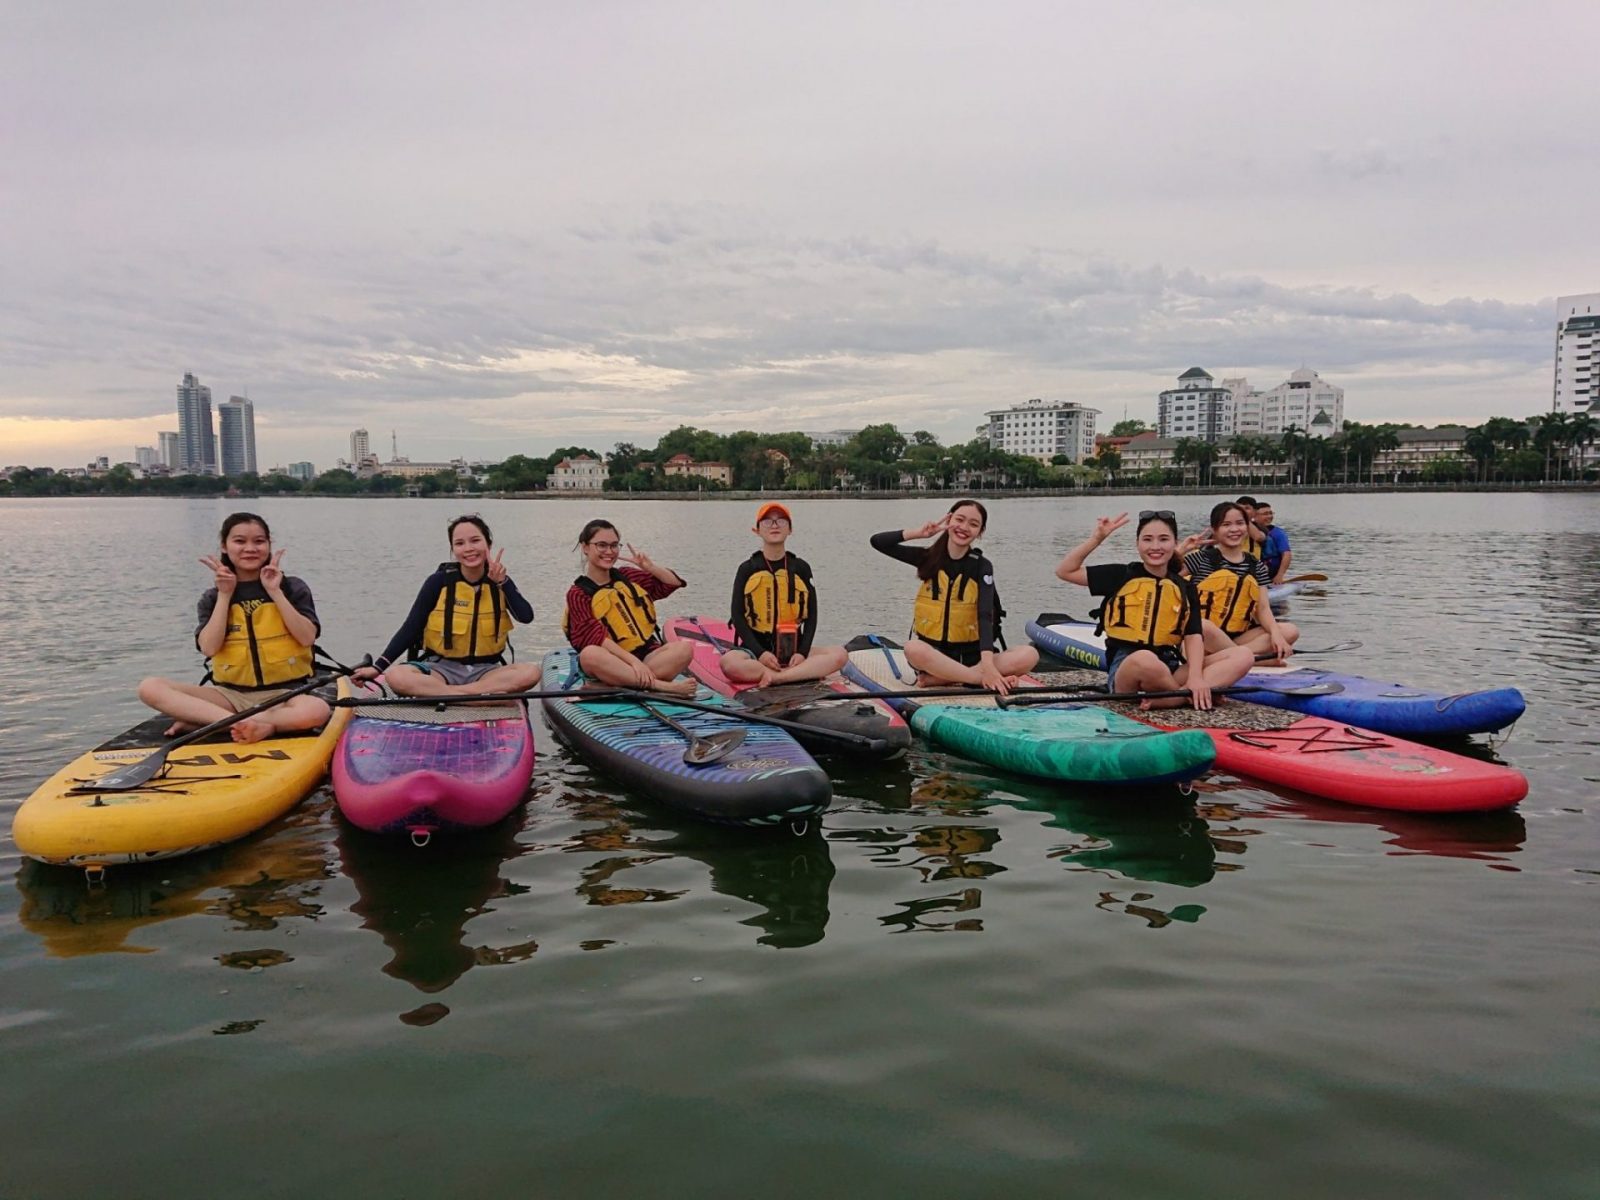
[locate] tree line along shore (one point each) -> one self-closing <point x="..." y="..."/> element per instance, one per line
<point x="1550" y="450"/>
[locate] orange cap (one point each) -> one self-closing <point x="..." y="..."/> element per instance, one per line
<point x="770" y="507"/>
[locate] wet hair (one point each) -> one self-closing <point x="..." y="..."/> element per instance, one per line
<point x="594" y="527"/>
<point x="938" y="555"/>
<point x="1219" y="513"/>
<point x="1250" y="500"/>
<point x="470" y="519"/>
<point x="233" y="521"/>
<point x="1170" y="522"/>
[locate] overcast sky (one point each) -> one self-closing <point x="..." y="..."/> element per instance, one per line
<point x="499" y="228"/>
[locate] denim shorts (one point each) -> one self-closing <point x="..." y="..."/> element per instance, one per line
<point x="1170" y="656"/>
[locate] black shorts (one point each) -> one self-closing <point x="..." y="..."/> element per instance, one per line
<point x="968" y="654"/>
<point x="648" y="648"/>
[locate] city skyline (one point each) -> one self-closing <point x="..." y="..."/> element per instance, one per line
<point x="490" y="253"/>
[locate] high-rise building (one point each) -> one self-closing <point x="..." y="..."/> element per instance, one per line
<point x="1043" y="430"/>
<point x="1196" y="408"/>
<point x="237" y="435"/>
<point x="360" y="447"/>
<point x="145" y="457"/>
<point x="302" y="471"/>
<point x="168" y="442"/>
<point x="1305" y="400"/>
<point x="197" y="454"/>
<point x="1577" y="339"/>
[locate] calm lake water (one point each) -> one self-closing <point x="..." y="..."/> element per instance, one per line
<point x="963" y="984"/>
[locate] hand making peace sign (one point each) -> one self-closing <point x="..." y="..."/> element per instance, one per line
<point x="225" y="580"/>
<point x="497" y="569"/>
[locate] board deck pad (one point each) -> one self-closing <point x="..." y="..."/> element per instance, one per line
<point x="1071" y="743"/>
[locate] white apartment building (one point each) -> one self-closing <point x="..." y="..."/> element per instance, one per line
<point x="580" y="474"/>
<point x="1304" y="400"/>
<point x="1043" y="429"/>
<point x="360" y="447"/>
<point x="1198" y="407"/>
<point x="1577" y="340"/>
<point x="831" y="437"/>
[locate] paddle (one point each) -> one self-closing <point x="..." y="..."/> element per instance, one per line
<point x="701" y="750"/>
<point x="1310" y="689"/>
<point x="1336" y="648"/>
<point x="1308" y="577"/>
<point x="872" y="744"/>
<point x="126" y="778"/>
<point x="1072" y="691"/>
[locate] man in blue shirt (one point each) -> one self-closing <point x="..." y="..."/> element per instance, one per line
<point x="1275" y="549"/>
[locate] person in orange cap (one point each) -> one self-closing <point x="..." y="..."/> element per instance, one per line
<point x="774" y="614"/>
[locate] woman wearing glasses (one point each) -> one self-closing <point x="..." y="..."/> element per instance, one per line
<point x="459" y="627"/>
<point x="611" y="616"/>
<point x="957" y="615"/>
<point x="1151" y="615"/>
<point x="774" y="612"/>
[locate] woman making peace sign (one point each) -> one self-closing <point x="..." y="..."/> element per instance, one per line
<point x="257" y="627"/>
<point x="459" y="626"/>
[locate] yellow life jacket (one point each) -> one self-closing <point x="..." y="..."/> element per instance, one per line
<point x="776" y="598"/>
<point x="947" y="609"/>
<point x="1228" y="599"/>
<point x="1146" y="611"/>
<point x="259" y="651"/>
<point x="622" y="607"/>
<point x="469" y="621"/>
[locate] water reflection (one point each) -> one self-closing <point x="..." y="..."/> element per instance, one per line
<point x="1487" y="837"/>
<point x="420" y="900"/>
<point x="785" y="876"/>
<point x="256" y="884"/>
<point x="612" y="834"/>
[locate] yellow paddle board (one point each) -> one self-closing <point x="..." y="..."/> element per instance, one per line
<point x="212" y="791"/>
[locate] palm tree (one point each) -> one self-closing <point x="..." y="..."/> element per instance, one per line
<point x="1292" y="441"/>
<point x="1385" y="437"/>
<point x="1480" y="447"/>
<point x="1583" y="430"/>
<point x="1549" y="434"/>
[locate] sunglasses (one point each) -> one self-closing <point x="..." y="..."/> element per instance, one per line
<point x="1157" y="514"/>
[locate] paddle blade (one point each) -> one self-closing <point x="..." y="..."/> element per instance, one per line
<point x="128" y="776"/>
<point x="706" y="750"/>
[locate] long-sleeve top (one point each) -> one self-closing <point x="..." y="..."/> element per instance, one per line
<point x="746" y="635"/>
<point x="410" y="633"/>
<point x="971" y="565"/>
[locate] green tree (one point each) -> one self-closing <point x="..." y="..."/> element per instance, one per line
<point x="337" y="482"/>
<point x="1129" y="428"/>
<point x="878" y="443"/>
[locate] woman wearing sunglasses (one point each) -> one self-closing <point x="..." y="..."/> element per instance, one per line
<point x="1151" y="615"/>
<point x="459" y="628"/>
<point x="611" y="616"/>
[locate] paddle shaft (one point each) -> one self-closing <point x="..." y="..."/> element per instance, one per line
<point x="1234" y="690"/>
<point x="876" y="745"/>
<point x="131" y="775"/>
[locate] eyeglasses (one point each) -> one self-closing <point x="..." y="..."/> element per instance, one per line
<point x="773" y="521"/>
<point x="605" y="545"/>
<point x="1157" y="514"/>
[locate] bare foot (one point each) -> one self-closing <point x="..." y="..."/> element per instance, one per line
<point x="251" y="731"/>
<point x="675" y="687"/>
<point x="178" y="727"/>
